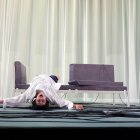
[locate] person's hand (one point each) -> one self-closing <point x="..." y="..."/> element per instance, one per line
<point x="78" y="107"/>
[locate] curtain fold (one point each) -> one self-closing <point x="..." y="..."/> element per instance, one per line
<point x="48" y="35"/>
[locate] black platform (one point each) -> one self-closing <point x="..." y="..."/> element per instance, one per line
<point x="95" y="119"/>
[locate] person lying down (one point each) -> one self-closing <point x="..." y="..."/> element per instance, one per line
<point x="41" y="93"/>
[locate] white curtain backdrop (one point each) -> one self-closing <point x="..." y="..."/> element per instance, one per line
<point x="48" y="35"/>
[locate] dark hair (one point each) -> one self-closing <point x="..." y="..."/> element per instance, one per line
<point x="39" y="107"/>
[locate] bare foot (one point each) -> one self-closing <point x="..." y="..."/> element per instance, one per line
<point x="58" y="77"/>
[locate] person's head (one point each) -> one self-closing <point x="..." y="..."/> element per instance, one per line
<point x="40" y="100"/>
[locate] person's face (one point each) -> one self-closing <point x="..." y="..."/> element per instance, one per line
<point x="41" y="98"/>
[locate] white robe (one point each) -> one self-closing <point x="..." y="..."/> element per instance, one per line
<point x="47" y="85"/>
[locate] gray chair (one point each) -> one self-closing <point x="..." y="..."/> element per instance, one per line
<point x="20" y="76"/>
<point x="94" y="77"/>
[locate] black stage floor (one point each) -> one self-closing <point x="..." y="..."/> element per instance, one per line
<point x="95" y="118"/>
